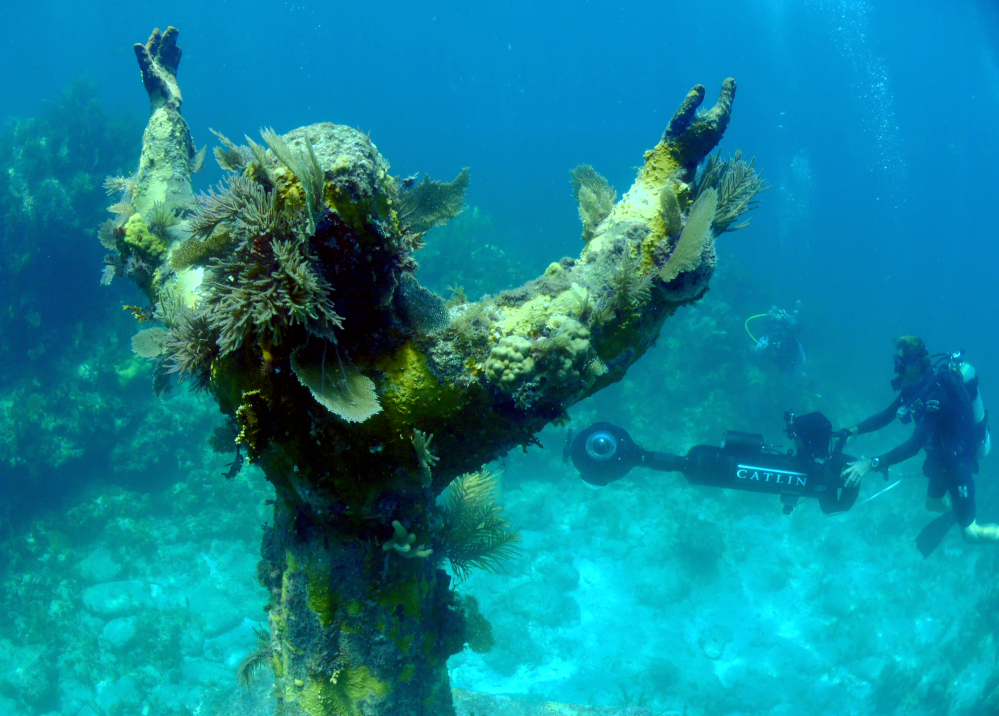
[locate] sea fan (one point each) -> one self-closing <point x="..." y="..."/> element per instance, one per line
<point x="594" y="196"/>
<point x="430" y="203"/>
<point x="737" y="184"/>
<point x="424" y="311"/>
<point x="150" y="342"/>
<point x="339" y="387"/>
<point x="695" y="239"/>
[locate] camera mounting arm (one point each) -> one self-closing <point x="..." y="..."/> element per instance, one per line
<point x="604" y="453"/>
<point x="663" y="461"/>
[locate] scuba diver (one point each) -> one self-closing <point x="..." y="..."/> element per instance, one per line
<point x="941" y="397"/>
<point x="779" y="341"/>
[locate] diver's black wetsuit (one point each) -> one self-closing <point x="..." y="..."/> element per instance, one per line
<point x="782" y="344"/>
<point x="950" y="461"/>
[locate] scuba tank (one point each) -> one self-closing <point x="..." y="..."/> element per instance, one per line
<point x="978" y="412"/>
<point x="964" y="380"/>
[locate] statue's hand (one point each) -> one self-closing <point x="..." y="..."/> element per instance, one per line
<point x="158" y="61"/>
<point x="696" y="135"/>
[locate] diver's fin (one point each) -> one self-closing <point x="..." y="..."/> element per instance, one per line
<point x="930" y="537"/>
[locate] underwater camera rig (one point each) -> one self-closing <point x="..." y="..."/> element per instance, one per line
<point x="603" y="453"/>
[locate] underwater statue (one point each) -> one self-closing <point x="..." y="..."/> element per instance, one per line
<point x="288" y="293"/>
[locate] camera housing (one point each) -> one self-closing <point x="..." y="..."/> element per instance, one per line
<point x="604" y="453"/>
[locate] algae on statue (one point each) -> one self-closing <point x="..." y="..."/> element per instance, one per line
<point x="362" y="396"/>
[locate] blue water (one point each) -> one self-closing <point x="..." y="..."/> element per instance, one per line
<point x="872" y="121"/>
<point x="874" y="125"/>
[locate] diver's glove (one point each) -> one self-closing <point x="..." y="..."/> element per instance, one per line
<point x="844" y="433"/>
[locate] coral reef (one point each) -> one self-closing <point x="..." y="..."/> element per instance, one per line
<point x="139" y="601"/>
<point x="337" y="404"/>
<point x="113" y="603"/>
<point x="51" y="198"/>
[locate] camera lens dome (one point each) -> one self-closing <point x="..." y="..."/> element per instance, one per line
<point x="601" y="446"/>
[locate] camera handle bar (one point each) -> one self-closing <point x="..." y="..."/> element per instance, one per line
<point x="604" y="453"/>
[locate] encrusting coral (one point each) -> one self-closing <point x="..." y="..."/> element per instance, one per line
<point x="293" y="301"/>
<point x="142" y="243"/>
<point x="510" y="362"/>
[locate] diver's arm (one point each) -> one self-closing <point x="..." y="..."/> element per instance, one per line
<point x="854" y="471"/>
<point x="879" y="420"/>
<point x="924" y="428"/>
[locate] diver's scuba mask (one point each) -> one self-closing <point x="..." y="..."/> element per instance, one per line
<point x="896" y="382"/>
<point x="901" y="365"/>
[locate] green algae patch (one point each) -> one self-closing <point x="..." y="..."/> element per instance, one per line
<point x="611" y="344"/>
<point x="321" y="598"/>
<point x="344" y="694"/>
<point x="413" y="394"/>
<point x="357" y="214"/>
<point x="410" y="595"/>
<point x="403" y="644"/>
